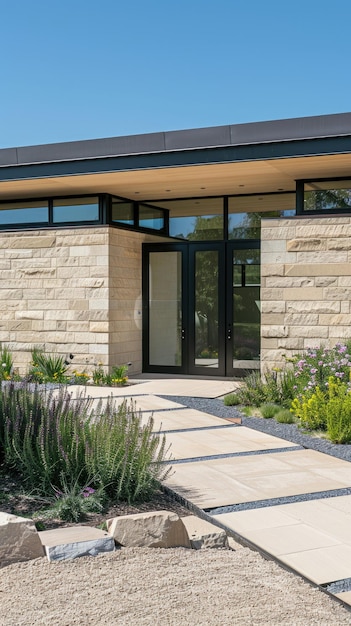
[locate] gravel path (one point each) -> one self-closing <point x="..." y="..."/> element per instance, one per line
<point x="136" y="586"/>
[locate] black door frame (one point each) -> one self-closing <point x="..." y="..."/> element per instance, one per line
<point x="225" y="312"/>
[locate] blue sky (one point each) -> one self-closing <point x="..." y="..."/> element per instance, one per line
<point x="80" y="69"/>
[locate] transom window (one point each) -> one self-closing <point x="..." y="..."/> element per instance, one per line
<point x="321" y="196"/>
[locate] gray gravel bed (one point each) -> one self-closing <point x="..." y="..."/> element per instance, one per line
<point x="290" y="432"/>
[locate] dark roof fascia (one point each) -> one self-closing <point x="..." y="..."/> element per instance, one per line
<point x="312" y="147"/>
<point x="199" y="138"/>
<point x="242" y="142"/>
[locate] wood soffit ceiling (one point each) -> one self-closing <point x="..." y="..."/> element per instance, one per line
<point x="190" y="181"/>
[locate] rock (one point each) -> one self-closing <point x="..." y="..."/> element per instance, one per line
<point x="19" y="540"/>
<point x="157" y="529"/>
<point x="203" y="534"/>
<point x="63" y="544"/>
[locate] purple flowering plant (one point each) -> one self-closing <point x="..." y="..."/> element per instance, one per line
<point x="317" y="365"/>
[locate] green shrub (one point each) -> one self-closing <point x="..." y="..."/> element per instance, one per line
<point x="43" y="436"/>
<point x="74" y="502"/>
<point x="284" y="416"/>
<point x="253" y="391"/>
<point x="275" y="387"/>
<point x="310" y="408"/>
<point x="53" y="440"/>
<point x="47" y="368"/>
<point x="6" y="364"/>
<point x="118" y="376"/>
<point x="232" y="399"/>
<point x="126" y="456"/>
<point x="338" y="411"/>
<point x="269" y="410"/>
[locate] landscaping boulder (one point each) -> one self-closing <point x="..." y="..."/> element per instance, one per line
<point x="19" y="540"/>
<point x="62" y="544"/>
<point x="203" y="534"/>
<point x="158" y="529"/>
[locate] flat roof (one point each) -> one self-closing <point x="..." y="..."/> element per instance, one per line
<point x="278" y="131"/>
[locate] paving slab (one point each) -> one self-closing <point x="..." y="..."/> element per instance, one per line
<point x="323" y="565"/>
<point x="232" y="439"/>
<point x="234" y="480"/>
<point x="345" y="596"/>
<point x="183" y="419"/>
<point x="141" y="403"/>
<point x="300" y="532"/>
<point x="189" y="387"/>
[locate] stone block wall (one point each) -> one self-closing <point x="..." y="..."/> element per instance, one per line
<point x="73" y="291"/>
<point x="305" y="285"/>
<point x="54" y="293"/>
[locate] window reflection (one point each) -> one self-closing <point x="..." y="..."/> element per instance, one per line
<point x="245" y="213"/>
<point x="151" y="217"/>
<point x="24" y="213"/>
<point x="196" y="219"/>
<point x="327" y="196"/>
<point x="76" y="210"/>
<point x="122" y="212"/>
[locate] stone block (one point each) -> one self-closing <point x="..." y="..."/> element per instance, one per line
<point x="317" y="306"/>
<point x="32" y="242"/>
<point x="297" y="293"/>
<point x="309" y="331"/>
<point x="322" y="257"/>
<point x="274" y="331"/>
<point x="326" y="281"/>
<point x="29" y="315"/>
<point x="339" y="244"/>
<point x="279" y="233"/>
<point x="19" y="540"/>
<point x="63" y="544"/>
<point x="269" y="343"/>
<point x="272" y="318"/>
<point x="289" y="282"/>
<point x="306" y="244"/>
<point x="157" y="529"/>
<point x="337" y="293"/>
<point x="273" y="306"/>
<point x="318" y="269"/>
<point x="272" y="270"/>
<point x="302" y="319"/>
<point x="271" y="294"/>
<point x="290" y="343"/>
<point x="343" y="319"/>
<point x="203" y="534"/>
<point x="99" y="327"/>
<point x="325" y="228"/>
<point x="270" y="258"/>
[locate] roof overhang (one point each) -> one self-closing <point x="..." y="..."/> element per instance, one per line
<point x="246" y="158"/>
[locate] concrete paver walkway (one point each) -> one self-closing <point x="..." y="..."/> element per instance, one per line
<point x="292" y="503"/>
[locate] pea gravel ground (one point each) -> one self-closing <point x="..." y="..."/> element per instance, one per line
<point x="135" y="586"/>
<point x="138" y="586"/>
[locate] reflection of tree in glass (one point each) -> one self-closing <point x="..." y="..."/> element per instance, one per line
<point x="250" y="226"/>
<point x="206" y="301"/>
<point x="326" y="199"/>
<point x="207" y="228"/>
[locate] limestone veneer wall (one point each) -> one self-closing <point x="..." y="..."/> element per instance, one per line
<point x="73" y="291"/>
<point x="305" y="285"/>
<point x="54" y="293"/>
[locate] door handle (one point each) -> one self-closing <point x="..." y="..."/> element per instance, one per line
<point x="182" y="333"/>
<point x="229" y="333"/>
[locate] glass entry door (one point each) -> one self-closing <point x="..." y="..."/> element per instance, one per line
<point x="243" y="308"/>
<point x="201" y="310"/>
